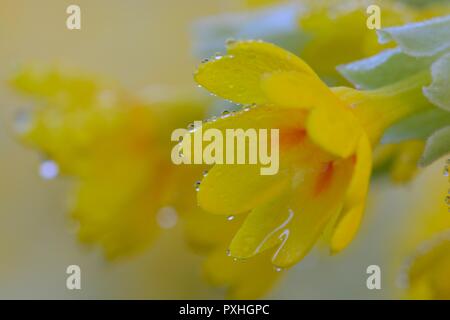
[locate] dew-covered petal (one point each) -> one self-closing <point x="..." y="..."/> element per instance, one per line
<point x="237" y="75"/>
<point x="238" y="188"/>
<point x="262" y="227"/>
<point x="318" y="201"/>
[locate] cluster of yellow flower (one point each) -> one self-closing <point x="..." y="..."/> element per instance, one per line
<point x="250" y="226"/>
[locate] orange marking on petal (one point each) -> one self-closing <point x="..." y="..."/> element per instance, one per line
<point x="324" y="179"/>
<point x="292" y="136"/>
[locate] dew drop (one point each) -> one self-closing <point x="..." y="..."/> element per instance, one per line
<point x="167" y="217"/>
<point x="205" y="173"/>
<point x="197" y="186"/>
<point x="228" y="253"/>
<point x="205" y="60"/>
<point x="48" y="170"/>
<point x="230" y="218"/>
<point x="277" y="269"/>
<point x="225" y="113"/>
<point x="445" y="171"/>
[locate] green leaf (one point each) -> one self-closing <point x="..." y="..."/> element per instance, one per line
<point x="437" y="146"/>
<point x="439" y="91"/>
<point x="425" y="38"/>
<point x="418" y="126"/>
<point x="383" y="69"/>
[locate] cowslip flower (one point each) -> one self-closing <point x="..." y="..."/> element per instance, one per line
<point x="326" y="141"/>
<point x="114" y="144"/>
<point x="424" y="245"/>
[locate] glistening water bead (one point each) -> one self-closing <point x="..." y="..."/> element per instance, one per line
<point x="48" y="169"/>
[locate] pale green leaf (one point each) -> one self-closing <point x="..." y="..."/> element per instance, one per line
<point x="425" y="38"/>
<point x="385" y="68"/>
<point x="418" y="126"/>
<point x="437" y="146"/>
<point x="439" y="90"/>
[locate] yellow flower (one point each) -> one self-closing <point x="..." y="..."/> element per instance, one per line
<point x="426" y="241"/>
<point x="326" y="140"/>
<point x="116" y="145"/>
<point x="400" y="160"/>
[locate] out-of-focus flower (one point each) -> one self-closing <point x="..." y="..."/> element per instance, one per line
<point x="325" y="33"/>
<point x="116" y="145"/>
<point x="426" y="243"/>
<point x="243" y="278"/>
<point x="400" y="160"/>
<point x="326" y="141"/>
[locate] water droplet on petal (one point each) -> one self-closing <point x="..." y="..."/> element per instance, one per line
<point x="228" y="253"/>
<point x="167" y="217"/>
<point x="48" y="169"/>
<point x="277" y="269"/>
<point x="205" y="173"/>
<point x="230" y="218"/>
<point x="197" y="186"/>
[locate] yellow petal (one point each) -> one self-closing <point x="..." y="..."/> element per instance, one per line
<point x="237" y="76"/>
<point x="351" y="217"/>
<point x="235" y="189"/>
<point x="319" y="199"/>
<point x="206" y="231"/>
<point x="261" y="228"/>
<point x="335" y="129"/>
<point x="293" y="89"/>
